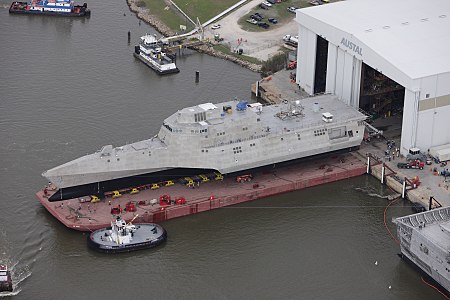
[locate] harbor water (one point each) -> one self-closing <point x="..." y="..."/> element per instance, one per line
<point x="70" y="86"/>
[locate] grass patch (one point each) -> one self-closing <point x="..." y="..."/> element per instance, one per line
<point x="274" y="64"/>
<point x="168" y="16"/>
<point x="204" y="9"/>
<point x="226" y="50"/>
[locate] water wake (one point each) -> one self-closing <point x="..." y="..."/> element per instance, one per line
<point x="371" y="192"/>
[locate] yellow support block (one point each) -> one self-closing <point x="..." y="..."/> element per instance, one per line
<point x="154" y="186"/>
<point x="169" y="183"/>
<point x="94" y="199"/>
<point x="218" y="176"/>
<point x="204" y="178"/>
<point x="134" y="191"/>
<point x="116" y="194"/>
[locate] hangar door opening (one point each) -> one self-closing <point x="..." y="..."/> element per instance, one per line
<point x="320" y="75"/>
<point x="383" y="99"/>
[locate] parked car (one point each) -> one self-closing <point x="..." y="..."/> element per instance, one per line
<point x="257" y="18"/>
<point x="263" y="6"/>
<point x="292" y="9"/>
<point x="252" y="21"/>
<point x="259" y="15"/>
<point x="273" y="20"/>
<point x="272" y="1"/>
<point x="263" y="25"/>
<point x="216" y="26"/>
<point x="267" y="4"/>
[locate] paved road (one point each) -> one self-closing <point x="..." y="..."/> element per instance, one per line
<point x="256" y="44"/>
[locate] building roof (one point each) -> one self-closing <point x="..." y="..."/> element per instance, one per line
<point x="413" y="35"/>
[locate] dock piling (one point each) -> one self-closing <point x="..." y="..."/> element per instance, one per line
<point x="197" y="76"/>
<point x="404" y="188"/>
<point x="257" y="89"/>
<point x="382" y="173"/>
<point x="129" y="37"/>
<point x="368" y="165"/>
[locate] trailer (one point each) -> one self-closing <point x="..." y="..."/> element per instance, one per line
<point x="441" y="153"/>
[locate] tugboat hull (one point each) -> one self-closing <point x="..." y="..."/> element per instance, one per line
<point x="144" y="239"/>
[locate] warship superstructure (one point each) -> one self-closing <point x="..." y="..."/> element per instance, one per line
<point x="226" y="137"/>
<point x="425" y="242"/>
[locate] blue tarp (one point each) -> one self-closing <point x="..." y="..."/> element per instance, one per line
<point x="242" y="105"/>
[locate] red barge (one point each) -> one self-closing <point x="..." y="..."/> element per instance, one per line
<point x="154" y="203"/>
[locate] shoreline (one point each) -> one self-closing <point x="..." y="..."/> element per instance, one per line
<point x="154" y="21"/>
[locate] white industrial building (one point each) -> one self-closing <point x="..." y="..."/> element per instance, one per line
<point x="406" y="41"/>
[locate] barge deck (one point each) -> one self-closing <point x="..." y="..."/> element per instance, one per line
<point x="87" y="216"/>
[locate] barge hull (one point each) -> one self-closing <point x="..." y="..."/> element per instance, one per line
<point x="20" y="8"/>
<point x="171" y="71"/>
<point x="48" y="13"/>
<point x="210" y="195"/>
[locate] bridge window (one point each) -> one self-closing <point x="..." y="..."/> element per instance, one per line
<point x="200" y="117"/>
<point x="168" y="127"/>
<point x="319" y="132"/>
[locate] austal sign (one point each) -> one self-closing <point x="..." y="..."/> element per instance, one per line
<point x="351" y="46"/>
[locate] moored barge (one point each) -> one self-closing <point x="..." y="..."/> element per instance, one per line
<point x="64" y="8"/>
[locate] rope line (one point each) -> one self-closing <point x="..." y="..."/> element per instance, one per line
<point x="430" y="285"/>
<point x="385" y="224"/>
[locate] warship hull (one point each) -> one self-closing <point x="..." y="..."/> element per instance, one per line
<point x="427" y="277"/>
<point x="100" y="188"/>
<point x="215" y="137"/>
<point x="424" y="242"/>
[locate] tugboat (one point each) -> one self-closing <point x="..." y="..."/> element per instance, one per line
<point x="5" y="279"/>
<point x="123" y="237"/>
<point x="150" y="52"/>
<point x="65" y="8"/>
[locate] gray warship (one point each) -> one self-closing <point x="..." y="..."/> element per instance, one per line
<point x="226" y="137"/>
<point x="425" y="242"/>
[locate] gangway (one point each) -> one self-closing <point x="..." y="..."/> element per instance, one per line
<point x="373" y="131"/>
